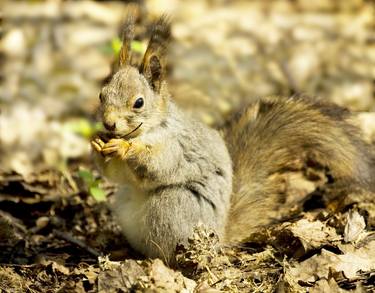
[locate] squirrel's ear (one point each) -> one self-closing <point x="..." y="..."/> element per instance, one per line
<point x="127" y="38"/>
<point x="154" y="73"/>
<point x="152" y="65"/>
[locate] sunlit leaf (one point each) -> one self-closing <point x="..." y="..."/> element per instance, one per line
<point x="116" y="45"/>
<point x="138" y="47"/>
<point x="86" y="176"/>
<point x="83" y="127"/>
<point x="98" y="193"/>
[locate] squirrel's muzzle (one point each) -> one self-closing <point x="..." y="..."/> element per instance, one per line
<point x="110" y="126"/>
<point x="109" y="119"/>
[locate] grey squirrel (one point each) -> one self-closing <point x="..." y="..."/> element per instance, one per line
<point x="174" y="172"/>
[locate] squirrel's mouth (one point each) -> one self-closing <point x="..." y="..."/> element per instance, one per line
<point x="107" y="135"/>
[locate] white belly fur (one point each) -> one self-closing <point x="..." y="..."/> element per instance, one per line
<point x="130" y="209"/>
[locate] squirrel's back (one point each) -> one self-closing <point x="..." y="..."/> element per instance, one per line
<point x="268" y="136"/>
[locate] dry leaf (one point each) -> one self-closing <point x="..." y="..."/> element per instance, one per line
<point x="313" y="234"/>
<point x="319" y="266"/>
<point x="354" y="227"/>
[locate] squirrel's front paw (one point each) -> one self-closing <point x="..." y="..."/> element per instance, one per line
<point x="114" y="147"/>
<point x="98" y="144"/>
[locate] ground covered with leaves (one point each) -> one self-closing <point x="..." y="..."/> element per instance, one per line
<point x="57" y="233"/>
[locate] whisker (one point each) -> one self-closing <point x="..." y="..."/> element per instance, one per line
<point x="134" y="130"/>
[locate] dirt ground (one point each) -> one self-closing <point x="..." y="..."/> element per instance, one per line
<point x="57" y="233"/>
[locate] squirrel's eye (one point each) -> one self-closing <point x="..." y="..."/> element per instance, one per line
<point x="101" y="97"/>
<point x="138" y="103"/>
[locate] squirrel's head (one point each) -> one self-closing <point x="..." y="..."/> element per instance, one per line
<point x="134" y="100"/>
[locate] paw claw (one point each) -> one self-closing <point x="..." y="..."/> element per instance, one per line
<point x="117" y="147"/>
<point x="96" y="146"/>
<point x="100" y="142"/>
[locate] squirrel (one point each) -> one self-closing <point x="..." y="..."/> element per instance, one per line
<point x="174" y="173"/>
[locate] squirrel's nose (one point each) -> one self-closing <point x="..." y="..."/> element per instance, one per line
<point x="110" y="126"/>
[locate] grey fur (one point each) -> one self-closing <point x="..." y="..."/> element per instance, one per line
<point x="185" y="180"/>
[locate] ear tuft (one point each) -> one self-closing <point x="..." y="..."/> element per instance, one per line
<point x="127" y="38"/>
<point x="152" y="66"/>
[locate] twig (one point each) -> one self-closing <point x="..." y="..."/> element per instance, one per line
<point x="79" y="243"/>
<point x="11" y="220"/>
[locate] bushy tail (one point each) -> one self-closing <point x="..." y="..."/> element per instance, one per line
<point x="270" y="135"/>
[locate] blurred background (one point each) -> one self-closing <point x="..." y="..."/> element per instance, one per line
<point x="55" y="55"/>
